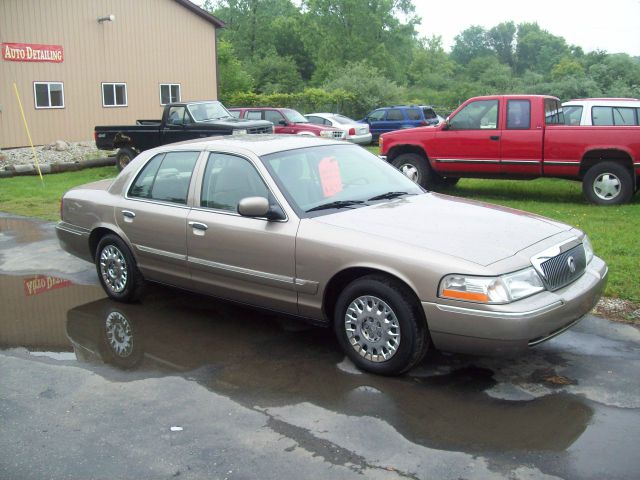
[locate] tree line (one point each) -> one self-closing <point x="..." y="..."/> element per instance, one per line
<point x="356" y="55"/>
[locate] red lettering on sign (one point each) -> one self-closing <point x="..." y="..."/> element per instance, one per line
<point x="36" y="285"/>
<point x="330" y="178"/>
<point x="32" y="52"/>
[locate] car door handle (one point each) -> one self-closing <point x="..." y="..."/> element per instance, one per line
<point x="128" y="214"/>
<point x="495" y="137"/>
<point x="198" y="225"/>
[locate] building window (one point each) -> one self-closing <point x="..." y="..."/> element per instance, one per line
<point x="48" y="94"/>
<point x="169" y="93"/>
<point x="114" y="94"/>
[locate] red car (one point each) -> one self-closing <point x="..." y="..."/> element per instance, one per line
<point x="287" y="120"/>
<point x="519" y="137"/>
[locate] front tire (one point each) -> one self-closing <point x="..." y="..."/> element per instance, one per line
<point x="117" y="270"/>
<point x="608" y="183"/>
<point x="379" y="325"/>
<point x="416" y="168"/>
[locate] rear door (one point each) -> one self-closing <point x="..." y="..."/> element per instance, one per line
<point x="471" y="143"/>
<point x="521" y="138"/>
<point x="153" y="216"/>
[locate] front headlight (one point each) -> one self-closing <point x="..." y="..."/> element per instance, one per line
<point x="502" y="289"/>
<point x="588" y="249"/>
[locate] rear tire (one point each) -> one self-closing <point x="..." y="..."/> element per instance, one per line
<point x="608" y="183"/>
<point x="117" y="270"/>
<point x="379" y="325"/>
<point x="416" y="168"/>
<point x="124" y="157"/>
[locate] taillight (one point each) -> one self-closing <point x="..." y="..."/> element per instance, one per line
<point x="352" y="131"/>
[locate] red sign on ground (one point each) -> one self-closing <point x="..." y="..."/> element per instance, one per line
<point x="31" y="52"/>
<point x="40" y="284"/>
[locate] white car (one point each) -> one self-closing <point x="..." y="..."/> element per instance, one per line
<point x="356" y="132"/>
<point x="602" y="111"/>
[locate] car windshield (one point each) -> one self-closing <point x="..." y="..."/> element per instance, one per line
<point x="336" y="176"/>
<point x="343" y="120"/>
<point x="208" y="111"/>
<point x="294" y="116"/>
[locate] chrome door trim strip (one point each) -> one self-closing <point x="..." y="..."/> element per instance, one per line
<point x="244" y="272"/>
<point x="460" y="160"/>
<point x="162" y="253"/>
<point x="550" y="162"/>
<point x="520" y="162"/>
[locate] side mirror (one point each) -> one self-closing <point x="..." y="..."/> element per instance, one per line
<point x="445" y="124"/>
<point x="282" y="123"/>
<point x="258" y="207"/>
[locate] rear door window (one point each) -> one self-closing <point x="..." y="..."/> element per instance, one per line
<point x="613" y="116"/>
<point x="518" y="114"/>
<point x="394" y="114"/>
<point x="414" y="114"/>
<point x="166" y="178"/>
<point x="254" y="115"/>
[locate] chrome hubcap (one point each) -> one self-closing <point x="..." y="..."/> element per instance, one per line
<point x="119" y="334"/>
<point x="372" y="328"/>
<point x="410" y="171"/>
<point x="606" y="186"/>
<point x="113" y="269"/>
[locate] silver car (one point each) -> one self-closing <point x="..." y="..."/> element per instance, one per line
<point x="324" y="230"/>
<point x="355" y="132"/>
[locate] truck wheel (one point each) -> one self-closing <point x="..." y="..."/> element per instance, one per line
<point x="608" y="183"/>
<point x="124" y="156"/>
<point x="379" y="326"/>
<point x="416" y="168"/>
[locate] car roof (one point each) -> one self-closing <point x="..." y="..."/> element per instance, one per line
<point x="628" y="102"/>
<point x="259" y="144"/>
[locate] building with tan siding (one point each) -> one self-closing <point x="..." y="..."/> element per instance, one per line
<point x="81" y="63"/>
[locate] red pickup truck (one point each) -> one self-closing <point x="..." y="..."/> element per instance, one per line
<point x="519" y="137"/>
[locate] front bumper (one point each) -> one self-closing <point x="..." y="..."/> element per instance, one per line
<point x="503" y="329"/>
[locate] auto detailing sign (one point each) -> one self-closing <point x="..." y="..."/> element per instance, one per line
<point x="31" y="52"/>
<point x="40" y="284"/>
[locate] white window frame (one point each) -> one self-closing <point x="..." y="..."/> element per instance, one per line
<point x="48" y="84"/>
<point x="114" y="84"/>
<point x="170" y="85"/>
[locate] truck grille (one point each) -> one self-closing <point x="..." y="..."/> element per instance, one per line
<point x="564" y="268"/>
<point x="259" y="130"/>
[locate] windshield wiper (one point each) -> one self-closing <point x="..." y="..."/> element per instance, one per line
<point x="336" y="204"/>
<point x="383" y="196"/>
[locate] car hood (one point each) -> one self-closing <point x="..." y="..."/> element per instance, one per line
<point x="477" y="232"/>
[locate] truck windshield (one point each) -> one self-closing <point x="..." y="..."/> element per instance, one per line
<point x="208" y="111"/>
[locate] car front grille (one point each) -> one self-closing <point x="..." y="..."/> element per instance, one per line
<point x="259" y="130"/>
<point x="563" y="269"/>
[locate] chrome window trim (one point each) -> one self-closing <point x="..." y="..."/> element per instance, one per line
<point x="198" y="195"/>
<point x="135" y="175"/>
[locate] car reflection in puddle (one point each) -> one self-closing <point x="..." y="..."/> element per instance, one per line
<point x="259" y="359"/>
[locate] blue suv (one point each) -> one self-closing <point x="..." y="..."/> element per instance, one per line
<point x="387" y="119"/>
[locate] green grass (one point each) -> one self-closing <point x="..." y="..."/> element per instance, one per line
<point x="27" y="196"/>
<point x="614" y="231"/>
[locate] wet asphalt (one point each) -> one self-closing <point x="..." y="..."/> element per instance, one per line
<point x="185" y="386"/>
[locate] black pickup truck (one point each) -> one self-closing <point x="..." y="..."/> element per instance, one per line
<point x="180" y="121"/>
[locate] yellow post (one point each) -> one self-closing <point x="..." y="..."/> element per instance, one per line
<point x="26" y="127"/>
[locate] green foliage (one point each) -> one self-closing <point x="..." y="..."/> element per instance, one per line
<point x="306" y="101"/>
<point x="369" y="49"/>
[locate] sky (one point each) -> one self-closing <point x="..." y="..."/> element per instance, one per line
<point x="610" y="25"/>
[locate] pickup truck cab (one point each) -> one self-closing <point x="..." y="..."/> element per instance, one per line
<point x="180" y="121"/>
<point x="602" y="111"/>
<point x="519" y="137"/>
<point x="288" y="121"/>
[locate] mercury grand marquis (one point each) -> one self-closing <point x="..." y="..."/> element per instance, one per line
<point x="327" y="231"/>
